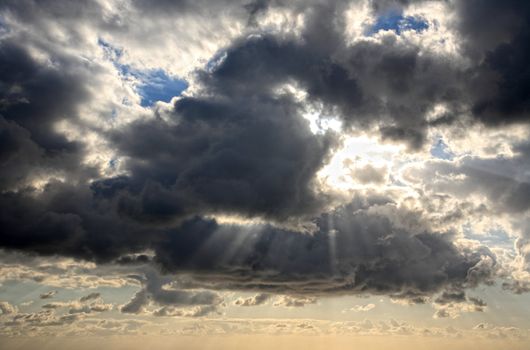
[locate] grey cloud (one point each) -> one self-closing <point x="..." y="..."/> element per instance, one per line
<point x="442" y="313"/>
<point x="197" y="311"/>
<point x="91" y="308"/>
<point x="33" y="98"/>
<point x="201" y="7"/>
<point x="501" y="82"/>
<point x="173" y="301"/>
<point x="386" y="84"/>
<point x="248" y="157"/>
<point x="450" y="297"/>
<point x="239" y="147"/>
<point x="502" y="183"/>
<point x="65" y="220"/>
<point x="366" y="173"/>
<point x="358" y="248"/>
<point x="48" y="295"/>
<point x="258" y="299"/>
<point x="517" y="287"/>
<point x="136" y="304"/>
<point x="90" y="296"/>
<point x="45" y="318"/>
<point x="361" y="251"/>
<point x="226" y="153"/>
<point x="7" y="309"/>
<point x="294" y="301"/>
<point x="478" y="302"/>
<point x="504" y="180"/>
<point x="457" y="299"/>
<point x="87" y="306"/>
<point x="30" y="89"/>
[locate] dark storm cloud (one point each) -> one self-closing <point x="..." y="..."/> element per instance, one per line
<point x="353" y="251"/>
<point x="501" y="79"/>
<point x="251" y="157"/>
<point x="67" y="220"/>
<point x="33" y="97"/>
<point x="386" y="84"/>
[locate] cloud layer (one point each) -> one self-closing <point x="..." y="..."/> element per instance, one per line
<point x="221" y="188"/>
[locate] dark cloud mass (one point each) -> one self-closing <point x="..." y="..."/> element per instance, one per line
<point x="502" y="77"/>
<point x="35" y="96"/>
<point x="253" y="156"/>
<point x="238" y="146"/>
<point x="387" y="84"/>
<point x="353" y="251"/>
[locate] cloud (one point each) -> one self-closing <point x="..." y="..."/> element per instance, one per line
<point x="48" y="295"/>
<point x="34" y="98"/>
<point x="61" y="272"/>
<point x="90" y="174"/>
<point x="501" y="82"/>
<point x="366" y="173"/>
<point x="450" y="304"/>
<point x="39" y="319"/>
<point x="257" y="299"/>
<point x="500" y="184"/>
<point x="94" y="304"/>
<point x="196" y="311"/>
<point x="136" y="304"/>
<point x="159" y="291"/>
<point x="361" y="308"/>
<point x="91" y="308"/>
<point x="224" y="161"/>
<point x="7" y="308"/>
<point x="90" y="296"/>
<point x="294" y="301"/>
<point x="372" y="250"/>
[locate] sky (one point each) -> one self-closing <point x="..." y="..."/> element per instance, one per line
<point x="262" y="174"/>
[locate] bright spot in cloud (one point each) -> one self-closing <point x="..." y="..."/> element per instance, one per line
<point x="362" y="161"/>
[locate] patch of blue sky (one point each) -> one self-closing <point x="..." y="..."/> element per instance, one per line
<point x="111" y="52"/>
<point x="398" y="23"/>
<point x="494" y="237"/>
<point x="157" y="85"/>
<point x="440" y="150"/>
<point x="152" y="85"/>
